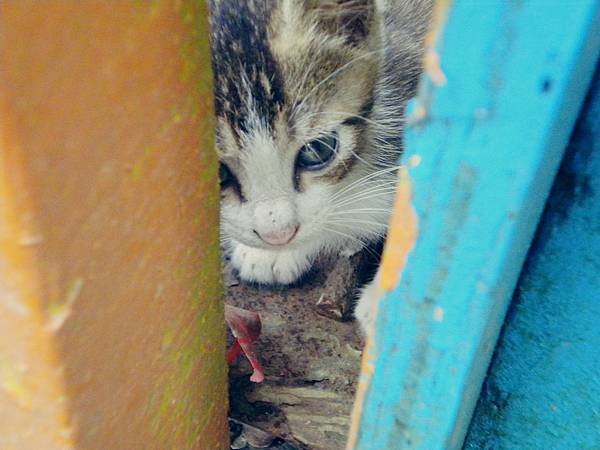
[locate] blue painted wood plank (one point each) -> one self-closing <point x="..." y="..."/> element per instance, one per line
<point x="543" y="390"/>
<point x="517" y="73"/>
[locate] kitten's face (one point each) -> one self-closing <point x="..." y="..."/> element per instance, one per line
<point x="294" y="91"/>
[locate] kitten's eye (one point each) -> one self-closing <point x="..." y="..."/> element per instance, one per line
<point x="225" y="176"/>
<point x="318" y="153"/>
<point x="227" y="179"/>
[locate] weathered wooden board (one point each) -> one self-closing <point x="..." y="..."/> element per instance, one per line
<point x="111" y="327"/>
<point x="490" y="145"/>
<point x="543" y="390"/>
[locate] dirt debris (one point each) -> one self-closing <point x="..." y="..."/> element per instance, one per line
<point x="310" y="349"/>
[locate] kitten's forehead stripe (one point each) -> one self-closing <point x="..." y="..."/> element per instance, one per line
<point x="363" y="116"/>
<point x="248" y="78"/>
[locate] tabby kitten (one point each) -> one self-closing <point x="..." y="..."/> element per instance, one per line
<point x="310" y="99"/>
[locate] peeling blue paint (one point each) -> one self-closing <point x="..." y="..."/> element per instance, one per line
<point x="494" y="137"/>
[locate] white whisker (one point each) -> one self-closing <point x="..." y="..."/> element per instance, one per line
<point x="373" y="194"/>
<point x="367" y="177"/>
<point x="349" y="222"/>
<point x="358" y="211"/>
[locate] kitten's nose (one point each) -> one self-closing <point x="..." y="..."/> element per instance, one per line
<point x="279" y="237"/>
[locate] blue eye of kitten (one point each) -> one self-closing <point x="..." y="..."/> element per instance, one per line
<point x="318" y="153"/>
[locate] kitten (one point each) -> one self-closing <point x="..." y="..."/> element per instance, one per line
<point x="309" y="99"/>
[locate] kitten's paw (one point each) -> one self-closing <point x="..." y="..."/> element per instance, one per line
<point x="269" y="267"/>
<point x="366" y="308"/>
<point x="289" y="266"/>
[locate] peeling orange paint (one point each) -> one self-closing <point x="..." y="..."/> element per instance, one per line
<point x="367" y="369"/>
<point x="431" y="63"/>
<point x="432" y="66"/>
<point x="402" y="235"/>
<point x="404" y="222"/>
<point x="400" y="242"/>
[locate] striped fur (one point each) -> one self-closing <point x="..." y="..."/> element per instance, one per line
<point x="288" y="72"/>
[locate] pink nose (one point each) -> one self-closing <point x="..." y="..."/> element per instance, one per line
<point x="280" y="237"/>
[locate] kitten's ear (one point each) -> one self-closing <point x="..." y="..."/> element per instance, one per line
<point x="351" y="18"/>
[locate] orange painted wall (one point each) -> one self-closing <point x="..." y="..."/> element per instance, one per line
<point x="111" y="329"/>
